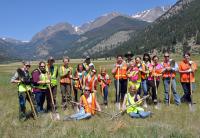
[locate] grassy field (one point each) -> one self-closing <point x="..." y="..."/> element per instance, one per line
<point x="170" y="121"/>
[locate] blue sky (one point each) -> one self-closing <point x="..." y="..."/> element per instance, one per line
<point x="21" y="19"/>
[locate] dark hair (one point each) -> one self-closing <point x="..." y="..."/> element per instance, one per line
<point x="42" y="62"/>
<point x="155" y="57"/>
<point x="146" y="54"/>
<point x="186" y="53"/>
<point x="77" y="68"/>
<point x="119" y="55"/>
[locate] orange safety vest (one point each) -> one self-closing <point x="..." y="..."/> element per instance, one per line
<point x="121" y="72"/>
<point x="77" y="84"/>
<point x="168" y="74"/>
<point x="108" y="81"/>
<point x="186" y="77"/>
<point x="66" y="79"/>
<point x="87" y="107"/>
<point x="90" y="83"/>
<point x="145" y="67"/>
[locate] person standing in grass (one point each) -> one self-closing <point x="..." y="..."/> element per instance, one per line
<point x="65" y="82"/>
<point x="78" y="81"/>
<point x="52" y="71"/>
<point x="155" y="69"/>
<point x="131" y="104"/>
<point x="120" y="79"/>
<point x="169" y="80"/>
<point x="187" y="69"/>
<point x="104" y="81"/>
<point x="22" y="78"/>
<point x="41" y="82"/>
<point x="88" y="105"/>
<point x="145" y="74"/>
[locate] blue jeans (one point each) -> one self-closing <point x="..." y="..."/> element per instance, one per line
<point x="144" y="87"/>
<point x="166" y="82"/>
<point x="140" y="114"/>
<point x="22" y="104"/>
<point x="81" y="115"/>
<point x="40" y="98"/>
<point x="105" y="93"/>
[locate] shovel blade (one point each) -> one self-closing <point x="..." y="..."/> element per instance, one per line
<point x="191" y="107"/>
<point x="55" y="116"/>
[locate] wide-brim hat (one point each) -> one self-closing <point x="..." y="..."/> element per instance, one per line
<point x="129" y="53"/>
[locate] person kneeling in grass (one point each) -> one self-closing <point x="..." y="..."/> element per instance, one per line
<point x="131" y="104"/>
<point x="88" y="106"/>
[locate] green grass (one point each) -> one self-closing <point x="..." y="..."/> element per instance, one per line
<point x="170" y="121"/>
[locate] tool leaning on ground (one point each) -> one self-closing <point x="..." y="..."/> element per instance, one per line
<point x="191" y="104"/>
<point x="122" y="111"/>
<point x="54" y="115"/>
<point x="31" y="103"/>
<point x="172" y="65"/>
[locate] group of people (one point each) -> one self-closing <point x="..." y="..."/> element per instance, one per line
<point x="133" y="78"/>
<point x="147" y="73"/>
<point x="42" y="84"/>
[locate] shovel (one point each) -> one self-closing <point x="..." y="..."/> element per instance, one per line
<point x="191" y="106"/>
<point x="31" y="103"/>
<point x="54" y="115"/>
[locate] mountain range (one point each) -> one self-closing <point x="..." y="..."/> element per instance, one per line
<point x="105" y="36"/>
<point x="175" y="31"/>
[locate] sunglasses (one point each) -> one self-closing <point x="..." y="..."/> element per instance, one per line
<point x="87" y="90"/>
<point x="42" y="66"/>
<point x="166" y="56"/>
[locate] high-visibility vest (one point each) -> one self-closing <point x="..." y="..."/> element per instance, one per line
<point x="130" y="101"/>
<point x="21" y="86"/>
<point x="135" y="74"/>
<point x="145" y="67"/>
<point x="105" y="78"/>
<point x="42" y="77"/>
<point x="121" y="72"/>
<point x="64" y="71"/>
<point x="168" y="74"/>
<point x="53" y="76"/>
<point x="157" y="70"/>
<point x="89" y="109"/>
<point x="187" y="77"/>
<point x="90" y="82"/>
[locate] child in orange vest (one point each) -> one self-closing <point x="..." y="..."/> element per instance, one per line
<point x="105" y="81"/>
